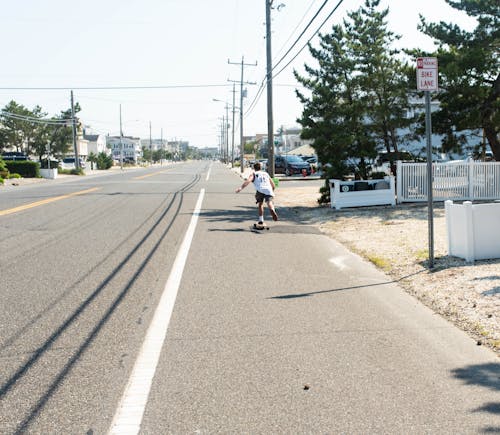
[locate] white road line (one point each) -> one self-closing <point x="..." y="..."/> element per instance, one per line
<point x="208" y="173"/>
<point x="128" y="417"/>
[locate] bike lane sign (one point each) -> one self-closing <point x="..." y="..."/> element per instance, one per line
<point x="427" y="74"/>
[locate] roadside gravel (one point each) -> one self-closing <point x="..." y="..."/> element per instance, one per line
<point x="395" y="239"/>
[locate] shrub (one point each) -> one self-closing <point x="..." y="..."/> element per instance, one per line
<point x="1" y="180"/>
<point x="325" y="193"/>
<point x="4" y="172"/>
<point x="104" y="161"/>
<point x="25" y="168"/>
<point x="14" y="176"/>
<point x="71" y="171"/>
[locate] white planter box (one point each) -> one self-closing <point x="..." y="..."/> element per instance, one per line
<point x="49" y="173"/>
<point x="473" y="230"/>
<point x="362" y="193"/>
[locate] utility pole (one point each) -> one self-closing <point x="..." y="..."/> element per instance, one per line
<point x="270" y="128"/>
<point x="226" y="134"/>
<point x="232" y="130"/>
<point x="121" y="140"/>
<point x="150" y="146"/>
<point x="75" y="146"/>
<point x="161" y="147"/>
<point x="241" y="82"/>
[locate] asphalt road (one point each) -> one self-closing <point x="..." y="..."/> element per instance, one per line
<point x="281" y="331"/>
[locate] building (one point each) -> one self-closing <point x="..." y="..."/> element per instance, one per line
<point x="96" y="143"/>
<point x="126" y="147"/>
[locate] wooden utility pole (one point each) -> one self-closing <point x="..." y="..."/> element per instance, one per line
<point x="73" y="122"/>
<point x="270" y="128"/>
<point x="241" y="82"/>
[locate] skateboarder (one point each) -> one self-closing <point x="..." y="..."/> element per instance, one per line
<point x="264" y="186"/>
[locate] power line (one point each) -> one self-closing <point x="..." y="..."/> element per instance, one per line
<point x="302" y="33"/>
<point x="109" y="88"/>
<point x="262" y="85"/>
<point x="296" y="27"/>
<point x="310" y="39"/>
<point x="34" y="120"/>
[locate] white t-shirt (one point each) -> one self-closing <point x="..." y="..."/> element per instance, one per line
<point x="262" y="183"/>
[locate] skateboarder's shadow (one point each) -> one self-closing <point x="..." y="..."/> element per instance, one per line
<point x="238" y="215"/>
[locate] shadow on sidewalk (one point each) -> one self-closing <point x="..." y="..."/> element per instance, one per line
<point x="305" y="295"/>
<point x="483" y="375"/>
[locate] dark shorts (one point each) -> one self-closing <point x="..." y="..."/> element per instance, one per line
<point x="261" y="197"/>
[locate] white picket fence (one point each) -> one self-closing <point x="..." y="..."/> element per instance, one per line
<point x="461" y="181"/>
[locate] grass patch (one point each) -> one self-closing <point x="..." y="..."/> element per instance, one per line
<point x="422" y="254"/>
<point x="380" y="262"/>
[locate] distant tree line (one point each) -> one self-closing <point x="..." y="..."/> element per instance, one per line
<point x="358" y="98"/>
<point x="31" y="132"/>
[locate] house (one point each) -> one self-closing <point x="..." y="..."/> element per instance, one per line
<point x="126" y="147"/>
<point x="96" y="143"/>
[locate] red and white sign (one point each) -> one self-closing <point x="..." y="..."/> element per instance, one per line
<point x="427" y="74"/>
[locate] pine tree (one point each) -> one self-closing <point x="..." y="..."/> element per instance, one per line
<point x="469" y="75"/>
<point x="358" y="98"/>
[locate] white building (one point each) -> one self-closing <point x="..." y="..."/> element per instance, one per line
<point x="96" y="143"/>
<point x="127" y="147"/>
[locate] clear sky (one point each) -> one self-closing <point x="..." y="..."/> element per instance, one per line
<point x="183" y="45"/>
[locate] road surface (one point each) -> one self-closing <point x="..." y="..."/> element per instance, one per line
<point x="142" y="302"/>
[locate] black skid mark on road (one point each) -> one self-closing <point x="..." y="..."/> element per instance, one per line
<point x="37" y="354"/>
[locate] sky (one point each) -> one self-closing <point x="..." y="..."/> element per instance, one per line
<point x="179" y="55"/>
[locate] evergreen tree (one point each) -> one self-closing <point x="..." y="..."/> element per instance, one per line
<point x="358" y="98"/>
<point x="469" y="75"/>
<point x="383" y="78"/>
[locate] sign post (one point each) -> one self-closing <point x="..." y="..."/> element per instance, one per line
<point x="427" y="81"/>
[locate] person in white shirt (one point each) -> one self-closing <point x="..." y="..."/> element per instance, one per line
<point x="264" y="186"/>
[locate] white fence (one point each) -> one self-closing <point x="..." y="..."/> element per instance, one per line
<point x="454" y="180"/>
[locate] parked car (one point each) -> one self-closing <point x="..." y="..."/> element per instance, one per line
<point x="13" y="155"/>
<point x="310" y="159"/>
<point x="69" y="163"/>
<point x="290" y="164"/>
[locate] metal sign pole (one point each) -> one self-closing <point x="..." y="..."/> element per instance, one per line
<point x="427" y="81"/>
<point x="430" y="217"/>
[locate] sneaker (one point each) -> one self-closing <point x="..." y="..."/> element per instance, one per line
<point x="274" y="215"/>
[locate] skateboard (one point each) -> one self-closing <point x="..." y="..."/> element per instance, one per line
<point x="258" y="226"/>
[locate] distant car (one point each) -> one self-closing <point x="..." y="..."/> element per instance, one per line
<point x="69" y="163"/>
<point x="13" y="155"/>
<point x="290" y="164"/>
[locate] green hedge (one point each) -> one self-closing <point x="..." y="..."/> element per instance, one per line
<point x="25" y="168"/>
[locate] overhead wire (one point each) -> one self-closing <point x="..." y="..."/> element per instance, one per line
<point x="109" y="88"/>
<point x="310" y="39"/>
<point x="294" y="30"/>
<point x="34" y="120"/>
<point x="302" y="34"/>
<point x="261" y="86"/>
